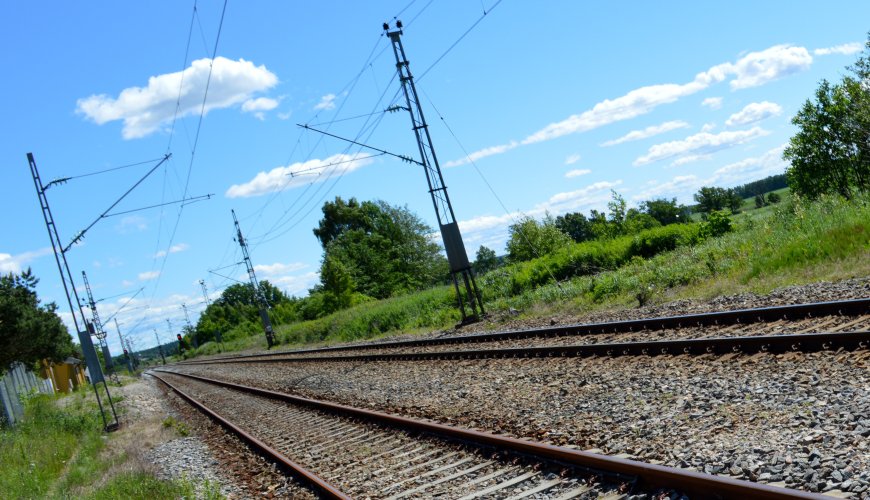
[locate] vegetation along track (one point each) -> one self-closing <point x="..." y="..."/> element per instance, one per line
<point x="345" y="452"/>
<point x="804" y="327"/>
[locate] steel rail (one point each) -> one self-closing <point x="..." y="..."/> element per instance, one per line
<point x="649" y="475"/>
<point x="324" y="488"/>
<point x="801" y="342"/>
<point x="851" y="307"/>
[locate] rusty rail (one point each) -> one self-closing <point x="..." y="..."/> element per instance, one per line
<point x="649" y="475"/>
<point x="743" y="316"/>
<point x="324" y="488"/>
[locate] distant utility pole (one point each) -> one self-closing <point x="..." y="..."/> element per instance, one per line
<point x="69" y="288"/>
<point x="217" y="333"/>
<point x="99" y="331"/>
<point x="189" y="327"/>
<point x="258" y="293"/>
<point x="460" y="267"/>
<point x="126" y="352"/>
<point x="159" y="346"/>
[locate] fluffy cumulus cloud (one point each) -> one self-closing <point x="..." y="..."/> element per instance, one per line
<point x="15" y="263"/>
<point x="572" y="159"/>
<point x="259" y="106"/>
<point x="327" y="102"/>
<point x="483" y="153"/>
<point x="712" y="102"/>
<point x="770" y="163"/>
<point x="144" y="110"/>
<point x="754" y="112"/>
<point x="678" y="187"/>
<point x="700" y="143"/>
<point x="636" y="135"/>
<point x="492" y="230"/>
<point x="173" y="249"/>
<point x="278" y="268"/>
<point x="751" y="70"/>
<point x="739" y="172"/>
<point x="148" y="275"/>
<point x="758" y="68"/>
<point x="299" y="173"/>
<point x="685" y="160"/>
<point x="844" y="49"/>
<point x="577" y="172"/>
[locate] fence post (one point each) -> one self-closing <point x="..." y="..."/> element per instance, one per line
<point x="8" y="412"/>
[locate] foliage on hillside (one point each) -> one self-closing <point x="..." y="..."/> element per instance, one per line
<point x="29" y="331"/>
<point x="830" y="153"/>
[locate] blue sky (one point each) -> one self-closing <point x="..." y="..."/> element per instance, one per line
<point x="556" y="102"/>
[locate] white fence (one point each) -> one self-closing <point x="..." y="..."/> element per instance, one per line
<point x="17" y="382"/>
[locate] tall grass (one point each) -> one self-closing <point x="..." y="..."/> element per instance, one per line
<point x="794" y="240"/>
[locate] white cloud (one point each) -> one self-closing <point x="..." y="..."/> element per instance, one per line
<point x="131" y="223"/>
<point x="127" y="283"/>
<point x="285" y="116"/>
<point x="282" y="177"/>
<point x="144" y="109"/>
<point x="15" y="263"/>
<point x="683" y="186"/>
<point x="577" y="172"/>
<point x="483" y="153"/>
<point x="148" y="275"/>
<point x="297" y="285"/>
<point x="769" y="163"/>
<point x="700" y="143"/>
<point x="708" y="127"/>
<point x="492" y="230"/>
<point x="636" y="135"/>
<point x="712" y="102"/>
<point x="572" y="159"/>
<point x="751" y="70"/>
<point x="259" y="105"/>
<point x="278" y="268"/>
<point x="678" y="187"/>
<point x="845" y="49"/>
<point x="758" y="68"/>
<point x="685" y="160"/>
<point x="173" y="249"/>
<point x="754" y="112"/>
<point x="327" y="102"/>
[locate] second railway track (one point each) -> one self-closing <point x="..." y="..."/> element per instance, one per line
<point x="805" y="327"/>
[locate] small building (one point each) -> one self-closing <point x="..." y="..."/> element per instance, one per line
<point x="65" y="376"/>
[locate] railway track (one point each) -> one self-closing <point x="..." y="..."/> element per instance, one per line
<point x="804" y="328"/>
<point x="345" y="452"/>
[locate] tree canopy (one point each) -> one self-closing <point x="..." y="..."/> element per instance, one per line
<point x="29" y="331"/>
<point x="717" y="198"/>
<point x="376" y="249"/>
<point x="530" y="238"/>
<point x="830" y="153"/>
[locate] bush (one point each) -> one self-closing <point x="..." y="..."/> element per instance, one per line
<point x="718" y="223"/>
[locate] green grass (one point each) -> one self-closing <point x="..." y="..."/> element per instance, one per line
<point x="792" y="242"/>
<point x="59" y="451"/>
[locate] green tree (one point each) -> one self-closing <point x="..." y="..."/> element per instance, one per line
<point x="666" y="211"/>
<point x="829" y="153"/>
<point x="530" y="239"/>
<point x="485" y="260"/>
<point x="773" y="198"/>
<point x="575" y="225"/>
<point x="637" y="221"/>
<point x="337" y="284"/>
<point x="760" y="201"/>
<point x="717" y="198"/>
<point x="29" y="331"/>
<point x="384" y="249"/>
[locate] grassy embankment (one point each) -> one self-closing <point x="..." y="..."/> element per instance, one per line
<point x="793" y="242"/>
<point x="59" y="451"/>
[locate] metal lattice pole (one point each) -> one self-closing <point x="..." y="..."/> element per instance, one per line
<point x="69" y="286"/>
<point x="460" y="267"/>
<point x="258" y="292"/>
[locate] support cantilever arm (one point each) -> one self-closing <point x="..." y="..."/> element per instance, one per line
<point x="382" y="151"/>
<point x="81" y="234"/>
